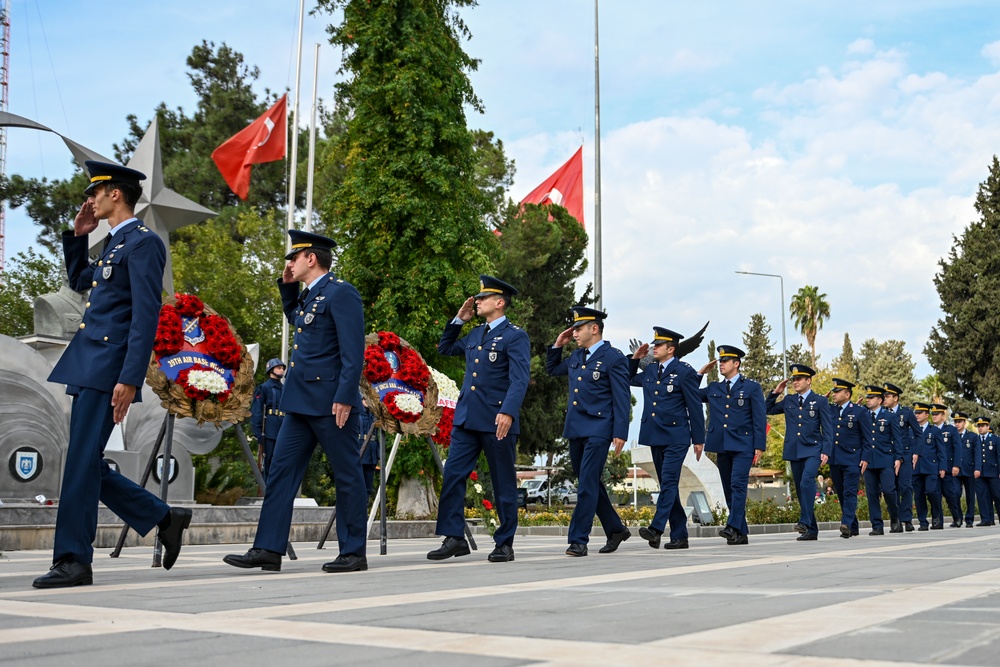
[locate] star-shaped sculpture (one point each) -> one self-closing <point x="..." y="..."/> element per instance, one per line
<point x="160" y="208"/>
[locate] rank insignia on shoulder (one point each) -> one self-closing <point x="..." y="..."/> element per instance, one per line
<point x="340" y="280"/>
<point x="142" y="229"/>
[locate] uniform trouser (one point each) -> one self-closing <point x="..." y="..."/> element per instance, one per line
<point x="88" y="479"/>
<point x="988" y="494"/>
<point x="268" y="455"/>
<point x="297" y="439"/>
<point x="669" y="460"/>
<point x="845" y="483"/>
<point x="968" y="486"/>
<point x="588" y="456"/>
<point x="927" y="488"/>
<point x="369" y="473"/>
<point x="881" y="481"/>
<point x="804" y="476"/>
<point x="952" y="490"/>
<point x="734" y="468"/>
<point x="462" y="456"/>
<point x="904" y="489"/>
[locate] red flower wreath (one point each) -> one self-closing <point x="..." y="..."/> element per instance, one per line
<point x="377" y="369"/>
<point x="443" y="434"/>
<point x="220" y="342"/>
<point x="188" y="305"/>
<point x="194" y="392"/>
<point x="169" y="334"/>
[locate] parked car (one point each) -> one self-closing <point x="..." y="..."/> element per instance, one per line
<point x="565" y="494"/>
<point x="537" y="488"/>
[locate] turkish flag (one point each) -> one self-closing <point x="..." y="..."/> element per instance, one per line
<point x="564" y="187"/>
<point x="263" y="140"/>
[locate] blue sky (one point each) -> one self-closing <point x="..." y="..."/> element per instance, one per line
<point x="836" y="144"/>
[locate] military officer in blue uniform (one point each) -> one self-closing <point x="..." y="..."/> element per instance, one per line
<point x="672" y="420"/>
<point x="965" y="463"/>
<point x="104" y="367"/>
<point x="910" y="431"/>
<point x="880" y="461"/>
<point x="737" y="433"/>
<point x="497" y="369"/>
<point x="929" y="461"/>
<point x="321" y="404"/>
<point x="950" y="488"/>
<point x="845" y="453"/>
<point x="597" y="416"/>
<point x="808" y="433"/>
<point x="265" y="413"/>
<point x="987" y="473"/>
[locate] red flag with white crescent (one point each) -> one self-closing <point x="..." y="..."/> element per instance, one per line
<point x="263" y="140"/>
<point x="564" y="187"/>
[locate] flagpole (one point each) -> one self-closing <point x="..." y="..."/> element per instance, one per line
<point x="598" y="288"/>
<point x="312" y="145"/>
<point x="294" y="162"/>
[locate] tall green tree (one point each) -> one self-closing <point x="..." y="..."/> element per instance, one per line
<point x="27" y="276"/>
<point x="409" y="215"/>
<point x="761" y="363"/>
<point x="544" y="252"/>
<point x="809" y="310"/>
<point x="932" y="389"/>
<point x="713" y="373"/>
<point x="887" y="361"/>
<point x="845" y="366"/>
<point x="964" y="346"/>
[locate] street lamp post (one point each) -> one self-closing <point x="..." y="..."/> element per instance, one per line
<point x="784" y="346"/>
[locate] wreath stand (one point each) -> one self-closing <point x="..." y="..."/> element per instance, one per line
<point x="379" y="505"/>
<point x="166" y="440"/>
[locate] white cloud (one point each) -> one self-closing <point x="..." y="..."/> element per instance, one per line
<point x="992" y="52"/>
<point x="861" y="47"/>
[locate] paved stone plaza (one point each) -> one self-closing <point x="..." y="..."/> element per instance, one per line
<point x="916" y="598"/>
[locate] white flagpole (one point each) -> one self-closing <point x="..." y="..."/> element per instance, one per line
<point x="312" y="145"/>
<point x="292" y="165"/>
<point x="598" y="287"/>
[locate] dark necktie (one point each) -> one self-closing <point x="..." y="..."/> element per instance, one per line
<point x="873" y="415"/>
<point x="659" y="371"/>
<point x="729" y="386"/>
<point x="486" y="332"/>
<point x="107" y="242"/>
<point x="800" y="400"/>
<point x="586" y="354"/>
<point x="302" y="297"/>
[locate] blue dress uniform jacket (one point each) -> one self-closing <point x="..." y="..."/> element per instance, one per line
<point x="986" y="454"/>
<point x="737" y="421"/>
<point x="949" y="435"/>
<point x="671" y="411"/>
<point x="965" y="453"/>
<point x="848" y="439"/>
<point x="497" y="371"/>
<point x="881" y="433"/>
<point x="328" y="354"/>
<point x="808" y="429"/>
<point x="112" y="346"/>
<point x="909" y="432"/>
<point x="932" y="451"/>
<point x="265" y="415"/>
<point x="119" y="323"/>
<point x="599" y="398"/>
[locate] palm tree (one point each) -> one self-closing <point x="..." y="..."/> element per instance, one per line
<point x="933" y="388"/>
<point x="809" y="310"/>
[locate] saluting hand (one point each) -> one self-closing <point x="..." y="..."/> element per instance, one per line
<point x="286" y="275"/>
<point x="706" y="368"/>
<point x="781" y="386"/>
<point x="642" y="351"/>
<point x="563" y="338"/>
<point x="85" y="221"/>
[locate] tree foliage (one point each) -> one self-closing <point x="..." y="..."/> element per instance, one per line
<point x="761" y="363"/>
<point x="845" y="366"/>
<point x="964" y="346"/>
<point x="408" y="215"/>
<point x="26" y="276"/>
<point x="543" y="255"/>
<point x="809" y="310"/>
<point x="887" y="361"/>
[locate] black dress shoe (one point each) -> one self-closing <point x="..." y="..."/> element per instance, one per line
<point x="808" y="537"/>
<point x="172" y="536"/>
<point x="801" y="528"/>
<point x="576" y="550"/>
<point x="845" y="531"/>
<point x="896" y="527"/>
<point x="923" y="529"/>
<point x="908" y="526"/>
<point x="955" y="524"/>
<point x="614" y="540"/>
<point x="728" y="532"/>
<point x="347" y="563"/>
<point x="64" y="574"/>
<point x="452" y="546"/>
<point x="854" y="533"/>
<point x="682" y="543"/>
<point x="937" y="526"/>
<point x="738" y="538"/>
<point x="651" y="535"/>
<point x="968" y="524"/>
<point x="262" y="558"/>
<point x="877" y="531"/>
<point x="504" y="553"/>
<point x="985" y="523"/>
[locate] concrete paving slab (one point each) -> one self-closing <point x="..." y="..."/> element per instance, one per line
<point x="911" y="599"/>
